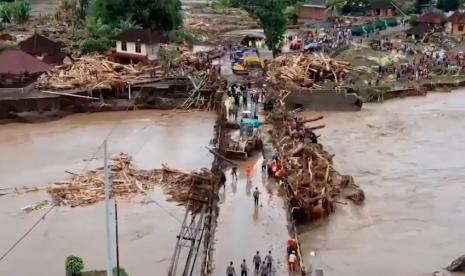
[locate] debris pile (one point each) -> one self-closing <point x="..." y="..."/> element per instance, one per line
<point x="306" y="70"/>
<point x="217" y="28"/>
<point x="93" y="72"/>
<point x="88" y="188"/>
<point x="314" y="185"/>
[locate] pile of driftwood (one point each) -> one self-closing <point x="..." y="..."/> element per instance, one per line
<point x="200" y="61"/>
<point x="88" y="188"/>
<point x="314" y="185"/>
<point x="306" y="70"/>
<point x="93" y="72"/>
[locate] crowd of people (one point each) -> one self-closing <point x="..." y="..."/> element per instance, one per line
<point x="238" y="98"/>
<point x="261" y="267"/>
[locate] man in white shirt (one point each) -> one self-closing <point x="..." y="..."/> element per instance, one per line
<point x="292" y="261"/>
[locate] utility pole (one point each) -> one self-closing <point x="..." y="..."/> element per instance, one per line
<point x="108" y="211"/>
<point x="117" y="240"/>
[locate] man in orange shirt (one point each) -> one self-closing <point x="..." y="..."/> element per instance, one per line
<point x="249" y="173"/>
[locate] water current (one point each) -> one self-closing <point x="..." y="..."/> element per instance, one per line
<point x="409" y="157"/>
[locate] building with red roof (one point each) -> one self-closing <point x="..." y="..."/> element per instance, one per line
<point x="18" y="69"/>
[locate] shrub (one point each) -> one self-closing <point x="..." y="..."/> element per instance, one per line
<point x="98" y="45"/>
<point x="15" y="12"/>
<point x="74" y="266"/>
<point x="122" y="272"/>
<point x="413" y="19"/>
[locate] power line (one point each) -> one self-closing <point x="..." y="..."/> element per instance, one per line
<point x="26" y="233"/>
<point x="13" y="246"/>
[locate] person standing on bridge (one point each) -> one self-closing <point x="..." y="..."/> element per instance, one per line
<point x="264" y="269"/>
<point x="269" y="261"/>
<point x="243" y="268"/>
<point x="257" y="260"/>
<point x="249" y="173"/>
<point x="292" y="261"/>
<point x="234" y="173"/>
<point x="256" y="195"/>
<point x="230" y="271"/>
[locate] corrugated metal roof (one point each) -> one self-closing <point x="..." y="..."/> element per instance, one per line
<point x="17" y="62"/>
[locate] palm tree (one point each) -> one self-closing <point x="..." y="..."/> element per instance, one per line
<point x="335" y="6"/>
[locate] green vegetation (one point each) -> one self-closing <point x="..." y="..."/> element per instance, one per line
<point x="162" y="14"/>
<point x="122" y="271"/>
<point x="448" y="5"/>
<point x="291" y="14"/>
<point x="74" y="266"/>
<point x="272" y="16"/>
<point x="15" y="12"/>
<point x="409" y="9"/>
<point x="413" y="19"/>
<point x="335" y="6"/>
<point x="99" y="36"/>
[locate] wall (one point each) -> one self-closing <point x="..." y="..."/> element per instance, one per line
<point x="131" y="48"/>
<point x="324" y="100"/>
<point x="152" y="50"/>
<point x="313" y="13"/>
<point x="455" y="29"/>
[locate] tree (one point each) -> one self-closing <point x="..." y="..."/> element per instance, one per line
<point x="420" y="4"/>
<point x="162" y="14"/>
<point x="448" y="5"/>
<point x="335" y="6"/>
<point x="291" y="14"/>
<point x="74" y="266"/>
<point x="271" y="14"/>
<point x="99" y="36"/>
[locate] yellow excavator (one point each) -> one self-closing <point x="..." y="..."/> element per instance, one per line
<point x="248" y="64"/>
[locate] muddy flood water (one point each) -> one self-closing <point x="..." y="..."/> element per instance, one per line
<point x="36" y="155"/>
<point x="409" y="157"/>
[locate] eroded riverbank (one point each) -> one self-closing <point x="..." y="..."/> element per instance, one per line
<point x="35" y="155"/>
<point x="407" y="155"/>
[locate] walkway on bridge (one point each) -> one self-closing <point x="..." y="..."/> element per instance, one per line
<point x="243" y="229"/>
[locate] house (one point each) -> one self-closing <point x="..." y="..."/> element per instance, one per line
<point x="45" y="49"/>
<point x="456" y="23"/>
<point x="313" y="10"/>
<point x="421" y="30"/>
<point x="432" y="18"/>
<point x="138" y="45"/>
<point x="19" y="69"/>
<point x="381" y="8"/>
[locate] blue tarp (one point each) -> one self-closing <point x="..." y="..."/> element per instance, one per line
<point x="254" y="122"/>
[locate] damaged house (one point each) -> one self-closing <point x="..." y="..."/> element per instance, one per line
<point x="19" y="69"/>
<point x="46" y="50"/>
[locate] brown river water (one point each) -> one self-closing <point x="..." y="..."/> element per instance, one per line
<point x="409" y="157"/>
<point x="36" y="155"/>
<point x="406" y="154"/>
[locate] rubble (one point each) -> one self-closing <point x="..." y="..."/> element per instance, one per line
<point x="216" y="28"/>
<point x="314" y="184"/>
<point x="88" y="188"/>
<point x="306" y="70"/>
<point x="93" y="72"/>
